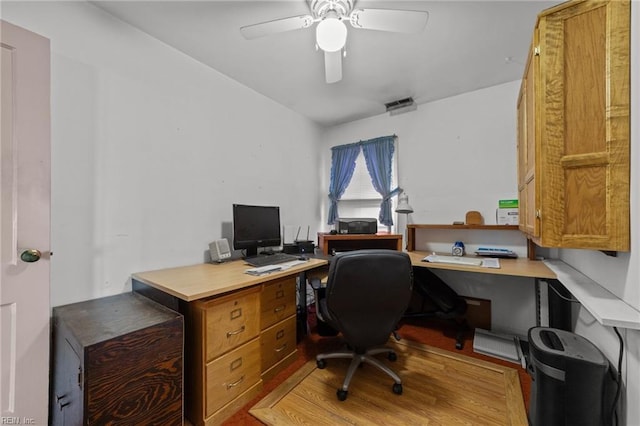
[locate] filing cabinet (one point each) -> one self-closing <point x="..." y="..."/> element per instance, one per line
<point x="278" y="325"/>
<point x="236" y="342"/>
<point x="117" y="360"/>
<point x="223" y="361"/>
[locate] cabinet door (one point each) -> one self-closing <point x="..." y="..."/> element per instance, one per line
<point x="584" y="159"/>
<point x="527" y="133"/>
<point x="67" y="398"/>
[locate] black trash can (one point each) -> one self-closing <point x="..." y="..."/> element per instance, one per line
<point x="571" y="381"/>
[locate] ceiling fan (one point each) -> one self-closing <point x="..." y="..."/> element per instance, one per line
<point x="331" y="32"/>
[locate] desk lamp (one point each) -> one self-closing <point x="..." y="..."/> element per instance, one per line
<point x="404" y="208"/>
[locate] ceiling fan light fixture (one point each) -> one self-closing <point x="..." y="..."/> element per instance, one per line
<point x="331" y="34"/>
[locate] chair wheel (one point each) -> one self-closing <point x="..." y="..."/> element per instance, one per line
<point x="321" y="363"/>
<point x="397" y="388"/>
<point x="341" y="394"/>
<point x="392" y="356"/>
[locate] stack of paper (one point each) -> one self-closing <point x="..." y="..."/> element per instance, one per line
<point x="497" y="345"/>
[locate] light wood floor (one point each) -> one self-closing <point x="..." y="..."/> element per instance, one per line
<point x="440" y="388"/>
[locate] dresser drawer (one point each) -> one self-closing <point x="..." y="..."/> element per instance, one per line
<point x="278" y="301"/>
<point x="232" y="374"/>
<point x="230" y="321"/>
<point x="277" y="342"/>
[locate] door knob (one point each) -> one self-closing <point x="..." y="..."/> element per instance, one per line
<point x="30" y="255"/>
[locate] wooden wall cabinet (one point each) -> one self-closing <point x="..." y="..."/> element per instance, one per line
<point x="574" y="128"/>
<point x="117" y="360"/>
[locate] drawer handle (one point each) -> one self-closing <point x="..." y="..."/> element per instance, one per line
<point x="281" y="348"/>
<point x="235" y="364"/>
<point x="279" y="308"/>
<point x="279" y="294"/>
<point x="233" y="333"/>
<point x="236" y="383"/>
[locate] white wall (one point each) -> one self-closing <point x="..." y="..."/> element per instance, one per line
<point x="455" y="155"/>
<point x="149" y="150"/>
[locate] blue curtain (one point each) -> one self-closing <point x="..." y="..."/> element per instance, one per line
<point x="378" y="154"/>
<point x="343" y="164"/>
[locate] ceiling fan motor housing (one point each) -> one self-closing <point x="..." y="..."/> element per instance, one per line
<point x="341" y="7"/>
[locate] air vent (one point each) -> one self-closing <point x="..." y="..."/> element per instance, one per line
<point x="400" y="106"/>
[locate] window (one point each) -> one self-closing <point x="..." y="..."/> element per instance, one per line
<point x="361" y="199"/>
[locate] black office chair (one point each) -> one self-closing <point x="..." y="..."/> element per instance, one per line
<point x="434" y="298"/>
<point x="367" y="293"/>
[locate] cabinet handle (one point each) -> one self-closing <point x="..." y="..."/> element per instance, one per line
<point x="236" y="383"/>
<point x="538" y="213"/>
<point x="279" y="308"/>
<point x="235" y="364"/>
<point x="233" y="333"/>
<point x="281" y="348"/>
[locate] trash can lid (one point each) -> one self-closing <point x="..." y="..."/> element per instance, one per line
<point x="553" y="347"/>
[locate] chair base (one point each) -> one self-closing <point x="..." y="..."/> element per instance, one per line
<point x="356" y="360"/>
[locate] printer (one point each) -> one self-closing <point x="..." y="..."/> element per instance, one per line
<point x="357" y="226"/>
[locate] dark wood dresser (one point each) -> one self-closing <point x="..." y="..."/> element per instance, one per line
<point x="117" y="360"/>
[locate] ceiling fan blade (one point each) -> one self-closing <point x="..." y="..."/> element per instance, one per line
<point x="333" y="66"/>
<point x="401" y="21"/>
<point x="276" y="26"/>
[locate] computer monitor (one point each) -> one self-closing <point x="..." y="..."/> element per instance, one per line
<point x="255" y="226"/>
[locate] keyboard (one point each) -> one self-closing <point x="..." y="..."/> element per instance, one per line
<point x="271" y="259"/>
<point x="267" y="269"/>
<point x="456" y="260"/>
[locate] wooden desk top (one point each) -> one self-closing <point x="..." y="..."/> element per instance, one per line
<point x="520" y="267"/>
<point x="195" y="282"/>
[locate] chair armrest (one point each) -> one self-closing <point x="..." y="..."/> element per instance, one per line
<point x="316" y="283"/>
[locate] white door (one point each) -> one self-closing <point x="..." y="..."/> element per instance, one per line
<point x="25" y="176"/>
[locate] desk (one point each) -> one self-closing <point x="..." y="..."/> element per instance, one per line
<point x="520" y="267"/>
<point x="240" y="330"/>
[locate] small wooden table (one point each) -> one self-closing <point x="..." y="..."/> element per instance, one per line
<point x="329" y="243"/>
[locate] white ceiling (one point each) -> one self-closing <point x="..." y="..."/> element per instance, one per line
<point x="467" y="45"/>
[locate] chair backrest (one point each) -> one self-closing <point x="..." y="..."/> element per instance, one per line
<point x="367" y="293"/>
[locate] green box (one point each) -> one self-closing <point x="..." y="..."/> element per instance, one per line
<point x="507" y="204"/>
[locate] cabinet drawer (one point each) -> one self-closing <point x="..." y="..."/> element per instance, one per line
<point x="230" y="321"/>
<point x="278" y="301"/>
<point x="232" y="374"/>
<point x="277" y="342"/>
